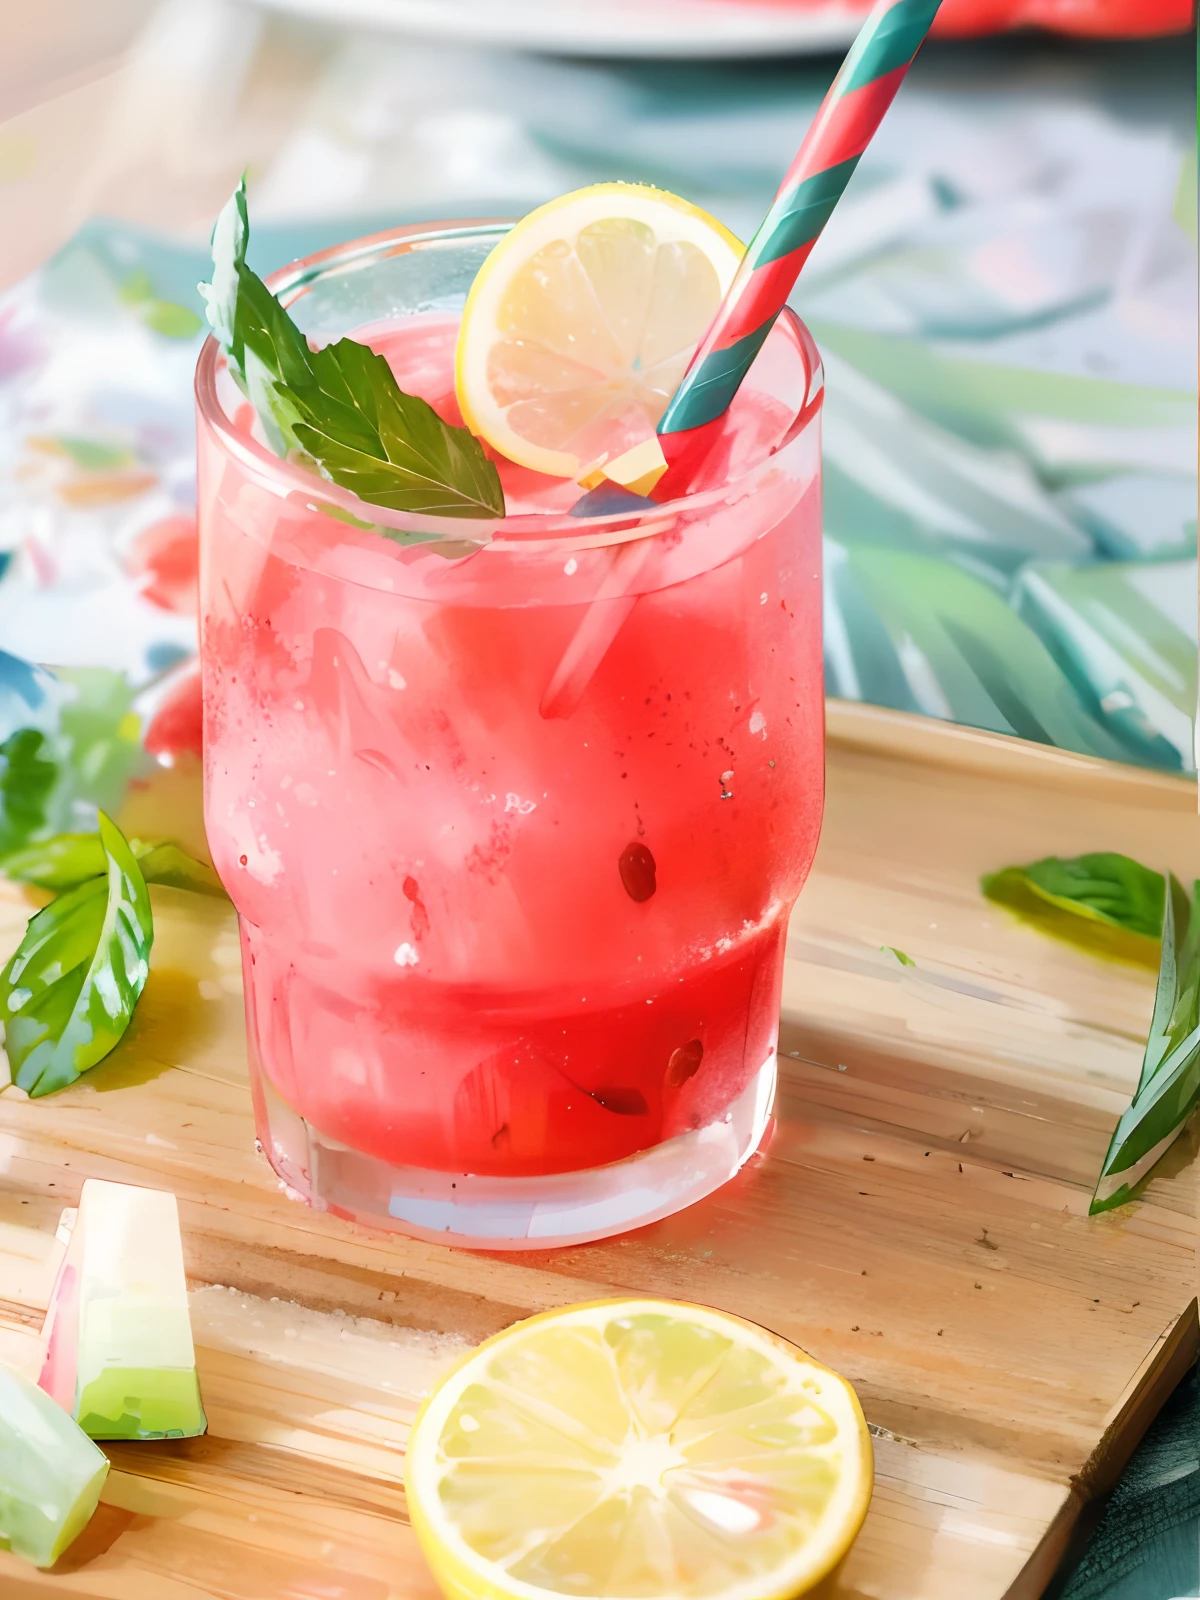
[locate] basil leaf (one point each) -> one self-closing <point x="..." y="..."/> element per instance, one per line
<point x="68" y="993"/>
<point x="27" y="777"/>
<point x="340" y="406"/>
<point x="1110" y="887"/>
<point x="169" y="865"/>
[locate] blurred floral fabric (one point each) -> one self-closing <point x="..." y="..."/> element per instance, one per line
<point x="1111" y="19"/>
<point x="1005" y="302"/>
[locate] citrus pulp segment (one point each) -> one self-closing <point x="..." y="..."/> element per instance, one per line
<point x="637" y="1450"/>
<point x="582" y="320"/>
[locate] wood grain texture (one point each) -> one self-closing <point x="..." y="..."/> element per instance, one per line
<point x="918" y="1219"/>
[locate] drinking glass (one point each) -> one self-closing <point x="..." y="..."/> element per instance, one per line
<point x="513" y="812"/>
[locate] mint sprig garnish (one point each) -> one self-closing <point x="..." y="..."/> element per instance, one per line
<point x="339" y="408"/>
<point x="1168" y="1090"/>
<point x="1114" y="906"/>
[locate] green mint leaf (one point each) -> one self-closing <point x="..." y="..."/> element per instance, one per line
<point x="904" y="960"/>
<point x="391" y="448"/>
<point x="1151" y="1125"/>
<point x="1163" y="1035"/>
<point x="27" y="777"/>
<point x="1110" y="887"/>
<point x="63" y="862"/>
<point x="1185" y="985"/>
<point x="1105" y="903"/>
<point x="68" y="993"/>
<point x="276" y="360"/>
<point x="167" y="864"/>
<point x="1112" y="905"/>
<point x="341" y="407"/>
<point x="1169" y="1086"/>
<point x="69" y="859"/>
<point x="43" y="980"/>
<point x="266" y="350"/>
<point x="229" y="240"/>
<point x="270" y="401"/>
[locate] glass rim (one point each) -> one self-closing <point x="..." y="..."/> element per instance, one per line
<point x="527" y="530"/>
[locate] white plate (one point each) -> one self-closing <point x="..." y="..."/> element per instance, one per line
<point x="663" y="29"/>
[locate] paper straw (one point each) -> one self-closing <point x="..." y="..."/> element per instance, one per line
<point x="602" y="621"/>
<point x="843" y="127"/>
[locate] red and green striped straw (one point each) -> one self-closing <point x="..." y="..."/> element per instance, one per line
<point x="843" y="127"/>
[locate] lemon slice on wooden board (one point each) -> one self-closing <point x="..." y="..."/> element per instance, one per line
<point x="582" y="320"/>
<point x="637" y="1448"/>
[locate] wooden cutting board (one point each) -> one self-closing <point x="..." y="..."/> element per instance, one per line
<point x="919" y="1219"/>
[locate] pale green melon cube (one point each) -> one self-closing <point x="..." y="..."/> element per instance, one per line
<point x="135" y="1365"/>
<point x="51" y="1473"/>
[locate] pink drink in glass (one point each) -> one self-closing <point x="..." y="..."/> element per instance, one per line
<point x="513" y="813"/>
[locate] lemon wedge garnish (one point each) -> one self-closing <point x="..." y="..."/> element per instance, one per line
<point x="582" y="320"/>
<point x="637" y="1450"/>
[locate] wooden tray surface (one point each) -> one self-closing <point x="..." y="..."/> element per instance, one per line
<point x="918" y="1219"/>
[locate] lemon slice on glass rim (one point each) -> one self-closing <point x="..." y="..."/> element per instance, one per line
<point x="637" y="1448"/>
<point x="582" y="320"/>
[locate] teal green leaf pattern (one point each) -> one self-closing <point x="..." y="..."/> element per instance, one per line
<point x="913" y="631"/>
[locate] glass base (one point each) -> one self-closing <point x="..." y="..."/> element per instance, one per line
<point x="511" y="1213"/>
